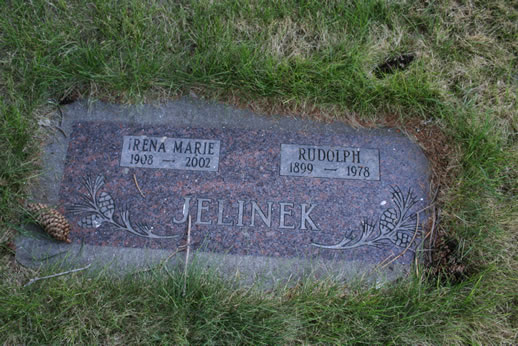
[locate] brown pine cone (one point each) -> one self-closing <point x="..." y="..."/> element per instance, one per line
<point x="51" y="220"/>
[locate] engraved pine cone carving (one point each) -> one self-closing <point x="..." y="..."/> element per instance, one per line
<point x="51" y="220"/>
<point x="388" y="221"/>
<point x="97" y="207"/>
<point x="398" y="226"/>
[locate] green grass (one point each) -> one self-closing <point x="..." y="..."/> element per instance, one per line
<point x="153" y="309"/>
<point x="308" y="57"/>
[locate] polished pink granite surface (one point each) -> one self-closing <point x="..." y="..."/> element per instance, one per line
<point x="221" y="202"/>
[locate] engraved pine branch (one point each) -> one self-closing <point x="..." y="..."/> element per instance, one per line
<point x="99" y="207"/>
<point x="395" y="225"/>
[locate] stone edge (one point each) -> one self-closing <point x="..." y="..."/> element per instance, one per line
<point x="36" y="251"/>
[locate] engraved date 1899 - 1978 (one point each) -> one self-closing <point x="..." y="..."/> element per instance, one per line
<point x="329" y="162"/>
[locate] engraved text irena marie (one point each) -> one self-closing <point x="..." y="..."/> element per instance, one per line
<point x="170" y="153"/>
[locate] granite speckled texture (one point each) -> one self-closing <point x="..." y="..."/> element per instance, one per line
<point x="249" y="170"/>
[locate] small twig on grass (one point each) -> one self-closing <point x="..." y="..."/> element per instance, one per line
<point x="60" y="126"/>
<point x="162" y="262"/>
<point x="47" y="257"/>
<point x="178" y="249"/>
<point x="430" y="241"/>
<point x="31" y="281"/>
<point x="187" y="252"/>
<point x="60" y="129"/>
<point x="432" y="204"/>
<point x="437" y="222"/>
<point x="425" y="208"/>
<point x="138" y="187"/>
<point x="55" y="127"/>
<point x="61" y="117"/>
<point x="416" y="266"/>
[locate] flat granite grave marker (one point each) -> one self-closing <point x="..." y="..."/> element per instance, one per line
<point x="270" y="197"/>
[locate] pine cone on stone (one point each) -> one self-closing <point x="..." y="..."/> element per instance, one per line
<point x="51" y="220"/>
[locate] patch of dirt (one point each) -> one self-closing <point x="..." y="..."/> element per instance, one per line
<point x="444" y="263"/>
<point x="391" y="65"/>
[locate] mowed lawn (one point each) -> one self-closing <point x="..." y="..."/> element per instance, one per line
<point x="324" y="60"/>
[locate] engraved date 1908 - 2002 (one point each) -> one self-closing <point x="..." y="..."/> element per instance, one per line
<point x="170" y="153"/>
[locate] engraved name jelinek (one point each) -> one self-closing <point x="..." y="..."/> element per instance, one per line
<point x="398" y="226"/>
<point x="98" y="207"/>
<point x="289" y="215"/>
<point x="172" y="153"/>
<point x="329" y="162"/>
